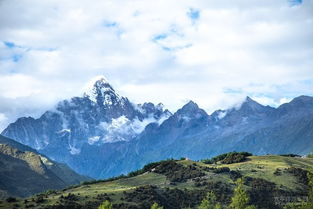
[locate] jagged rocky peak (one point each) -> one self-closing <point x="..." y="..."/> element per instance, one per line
<point x="100" y="91"/>
<point x="250" y="106"/>
<point x="218" y="114"/>
<point x="192" y="110"/>
<point x="190" y="106"/>
<point x="157" y="111"/>
<point x="251" y="103"/>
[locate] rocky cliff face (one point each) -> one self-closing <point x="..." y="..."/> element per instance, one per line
<point x="103" y="134"/>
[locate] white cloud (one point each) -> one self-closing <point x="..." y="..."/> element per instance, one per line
<point x="235" y="48"/>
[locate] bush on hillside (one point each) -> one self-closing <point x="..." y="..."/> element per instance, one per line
<point x="228" y="158"/>
<point x="290" y="155"/>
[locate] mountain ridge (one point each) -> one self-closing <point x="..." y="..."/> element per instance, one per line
<point x="108" y="137"/>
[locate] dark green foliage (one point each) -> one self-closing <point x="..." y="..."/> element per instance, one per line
<point x="234" y="175"/>
<point x="277" y="172"/>
<point x="169" y="198"/>
<point x="174" y="198"/>
<point x="207" y="161"/>
<point x="300" y="174"/>
<point x="147" y="168"/>
<point x="305" y="204"/>
<point x="103" y="197"/>
<point x="221" y="170"/>
<point x="176" y="172"/>
<point x="290" y="155"/>
<point x="39" y="199"/>
<point x="228" y="158"/>
<point x="11" y="199"/>
<point x="67" y="205"/>
<point x="262" y="192"/>
<point x="235" y="157"/>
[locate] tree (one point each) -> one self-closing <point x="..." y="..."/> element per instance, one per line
<point x="218" y="206"/>
<point x="210" y="202"/>
<point x="156" y="206"/>
<point x="240" y="199"/>
<point x="106" y="205"/>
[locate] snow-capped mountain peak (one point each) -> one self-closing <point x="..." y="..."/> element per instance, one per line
<point x="100" y="116"/>
<point x="100" y="91"/>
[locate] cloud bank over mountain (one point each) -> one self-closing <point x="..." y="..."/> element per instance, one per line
<point x="212" y="52"/>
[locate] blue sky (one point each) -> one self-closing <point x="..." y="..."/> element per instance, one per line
<point x="212" y="52"/>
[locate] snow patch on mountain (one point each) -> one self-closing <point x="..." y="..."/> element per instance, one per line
<point x="164" y="117"/>
<point x="74" y="150"/>
<point x="65" y="130"/>
<point x="99" y="90"/>
<point x="123" y="129"/>
<point x="222" y="114"/>
<point x="94" y="139"/>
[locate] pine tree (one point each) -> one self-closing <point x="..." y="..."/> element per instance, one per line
<point x="156" y="206"/>
<point x="240" y="199"/>
<point x="106" y="205"/>
<point x="210" y="202"/>
<point x="218" y="206"/>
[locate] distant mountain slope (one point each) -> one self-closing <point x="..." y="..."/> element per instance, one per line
<point x="24" y="172"/>
<point x="251" y="127"/>
<point x="271" y="182"/>
<point x="103" y="134"/>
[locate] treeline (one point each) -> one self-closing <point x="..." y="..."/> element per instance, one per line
<point x="228" y="158"/>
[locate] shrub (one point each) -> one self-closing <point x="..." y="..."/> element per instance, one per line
<point x="300" y="174"/>
<point x="11" y="199"/>
<point x="228" y="158"/>
<point x="221" y="170"/>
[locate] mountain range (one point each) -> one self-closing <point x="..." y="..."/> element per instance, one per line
<point x="102" y="134"/>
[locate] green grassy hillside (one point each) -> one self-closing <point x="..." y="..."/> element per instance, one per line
<point x="272" y="181"/>
<point x="24" y="172"/>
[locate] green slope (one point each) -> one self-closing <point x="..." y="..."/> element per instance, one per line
<point x="24" y="172"/>
<point x="272" y="181"/>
